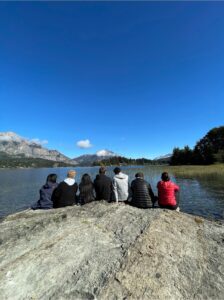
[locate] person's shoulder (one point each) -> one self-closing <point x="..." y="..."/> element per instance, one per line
<point x="97" y="177"/>
<point x="108" y="178"/>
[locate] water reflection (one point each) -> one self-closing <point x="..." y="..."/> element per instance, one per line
<point x="20" y="188"/>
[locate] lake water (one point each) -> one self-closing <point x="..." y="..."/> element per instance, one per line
<point x="19" y="188"/>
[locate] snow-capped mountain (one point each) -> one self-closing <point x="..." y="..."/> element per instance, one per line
<point x="163" y="157"/>
<point x="88" y="159"/>
<point x="14" y="145"/>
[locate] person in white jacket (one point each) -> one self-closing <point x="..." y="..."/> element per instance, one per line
<point x="120" y="185"/>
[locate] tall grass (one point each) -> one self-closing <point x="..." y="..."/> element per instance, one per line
<point x="216" y="170"/>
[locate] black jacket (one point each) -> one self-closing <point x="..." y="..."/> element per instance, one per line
<point x="64" y="195"/>
<point x="142" y="194"/>
<point x="103" y="187"/>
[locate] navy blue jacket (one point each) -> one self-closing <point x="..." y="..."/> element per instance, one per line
<point x="45" y="201"/>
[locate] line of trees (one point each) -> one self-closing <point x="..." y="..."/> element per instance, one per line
<point x="209" y="150"/>
<point x="120" y="160"/>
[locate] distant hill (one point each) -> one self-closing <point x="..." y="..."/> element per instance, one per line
<point x="15" y="146"/>
<point x="20" y="161"/>
<point x="89" y="159"/>
<point x="163" y="159"/>
<point x="17" y="151"/>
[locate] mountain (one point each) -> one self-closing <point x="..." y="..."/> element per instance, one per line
<point x="163" y="158"/>
<point x="89" y="159"/>
<point x="16" y="146"/>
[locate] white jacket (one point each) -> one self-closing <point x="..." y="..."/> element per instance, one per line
<point x="120" y="187"/>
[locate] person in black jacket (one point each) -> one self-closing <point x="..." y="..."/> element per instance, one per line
<point x="65" y="193"/>
<point x="142" y="194"/>
<point x="103" y="186"/>
<point x="86" y="189"/>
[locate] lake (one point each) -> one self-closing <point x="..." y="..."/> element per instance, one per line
<point x="20" y="188"/>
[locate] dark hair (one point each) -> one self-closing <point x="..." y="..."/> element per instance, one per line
<point x="140" y="174"/>
<point x="117" y="170"/>
<point x="86" y="179"/>
<point x="165" y="176"/>
<point x="52" y="178"/>
<point x="102" y="170"/>
<point x="86" y="189"/>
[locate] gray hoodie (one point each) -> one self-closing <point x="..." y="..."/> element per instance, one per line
<point x="120" y="187"/>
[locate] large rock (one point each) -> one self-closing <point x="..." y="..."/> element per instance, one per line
<point x="110" y="251"/>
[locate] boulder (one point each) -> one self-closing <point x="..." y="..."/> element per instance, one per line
<point x="110" y="251"/>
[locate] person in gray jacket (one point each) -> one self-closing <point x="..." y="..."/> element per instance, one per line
<point x="120" y="185"/>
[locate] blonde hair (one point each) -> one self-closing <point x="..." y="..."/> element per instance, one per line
<point x="71" y="173"/>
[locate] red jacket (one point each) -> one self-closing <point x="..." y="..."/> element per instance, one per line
<point x="166" y="192"/>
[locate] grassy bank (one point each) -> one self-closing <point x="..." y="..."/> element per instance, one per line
<point x="197" y="171"/>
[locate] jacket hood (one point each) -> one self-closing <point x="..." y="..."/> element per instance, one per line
<point x="69" y="181"/>
<point x="50" y="185"/>
<point x="121" y="176"/>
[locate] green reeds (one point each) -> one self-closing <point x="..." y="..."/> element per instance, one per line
<point x="211" y="171"/>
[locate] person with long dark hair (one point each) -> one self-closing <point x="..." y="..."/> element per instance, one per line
<point x="45" y="201"/>
<point x="167" y="193"/>
<point x="86" y="190"/>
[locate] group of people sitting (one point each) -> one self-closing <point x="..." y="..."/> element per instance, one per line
<point x="138" y="194"/>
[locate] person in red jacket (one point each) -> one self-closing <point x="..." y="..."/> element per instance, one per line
<point x="167" y="192"/>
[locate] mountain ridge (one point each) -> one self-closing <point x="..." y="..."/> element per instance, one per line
<point x="14" y="145"/>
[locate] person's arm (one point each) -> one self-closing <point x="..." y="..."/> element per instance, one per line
<point x="77" y="196"/>
<point x="176" y="187"/>
<point x="56" y="195"/>
<point x="115" y="190"/>
<point x="36" y="205"/>
<point x="177" y="194"/>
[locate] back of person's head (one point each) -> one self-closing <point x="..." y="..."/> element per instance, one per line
<point x="86" y="179"/>
<point x="52" y="178"/>
<point x="165" y="176"/>
<point x="102" y="170"/>
<point x="117" y="170"/>
<point x="71" y="173"/>
<point x="139" y="175"/>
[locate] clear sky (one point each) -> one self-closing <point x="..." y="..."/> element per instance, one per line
<point x="134" y="78"/>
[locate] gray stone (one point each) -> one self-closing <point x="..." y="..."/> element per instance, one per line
<point x="110" y="251"/>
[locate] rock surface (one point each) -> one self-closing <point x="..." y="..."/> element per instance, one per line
<point x="110" y="251"/>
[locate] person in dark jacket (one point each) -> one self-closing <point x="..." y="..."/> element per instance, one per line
<point x="103" y="186"/>
<point x="46" y="191"/>
<point x="86" y="190"/>
<point x="142" y="194"/>
<point x="65" y="193"/>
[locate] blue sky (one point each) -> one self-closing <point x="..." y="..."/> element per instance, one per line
<point x="134" y="78"/>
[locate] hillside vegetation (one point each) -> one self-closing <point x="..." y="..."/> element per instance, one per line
<point x="8" y="161"/>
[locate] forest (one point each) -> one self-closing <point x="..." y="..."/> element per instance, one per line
<point x="207" y="151"/>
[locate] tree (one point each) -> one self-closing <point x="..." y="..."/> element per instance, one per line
<point x="209" y="149"/>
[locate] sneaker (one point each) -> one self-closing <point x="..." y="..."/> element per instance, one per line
<point x="178" y="209"/>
